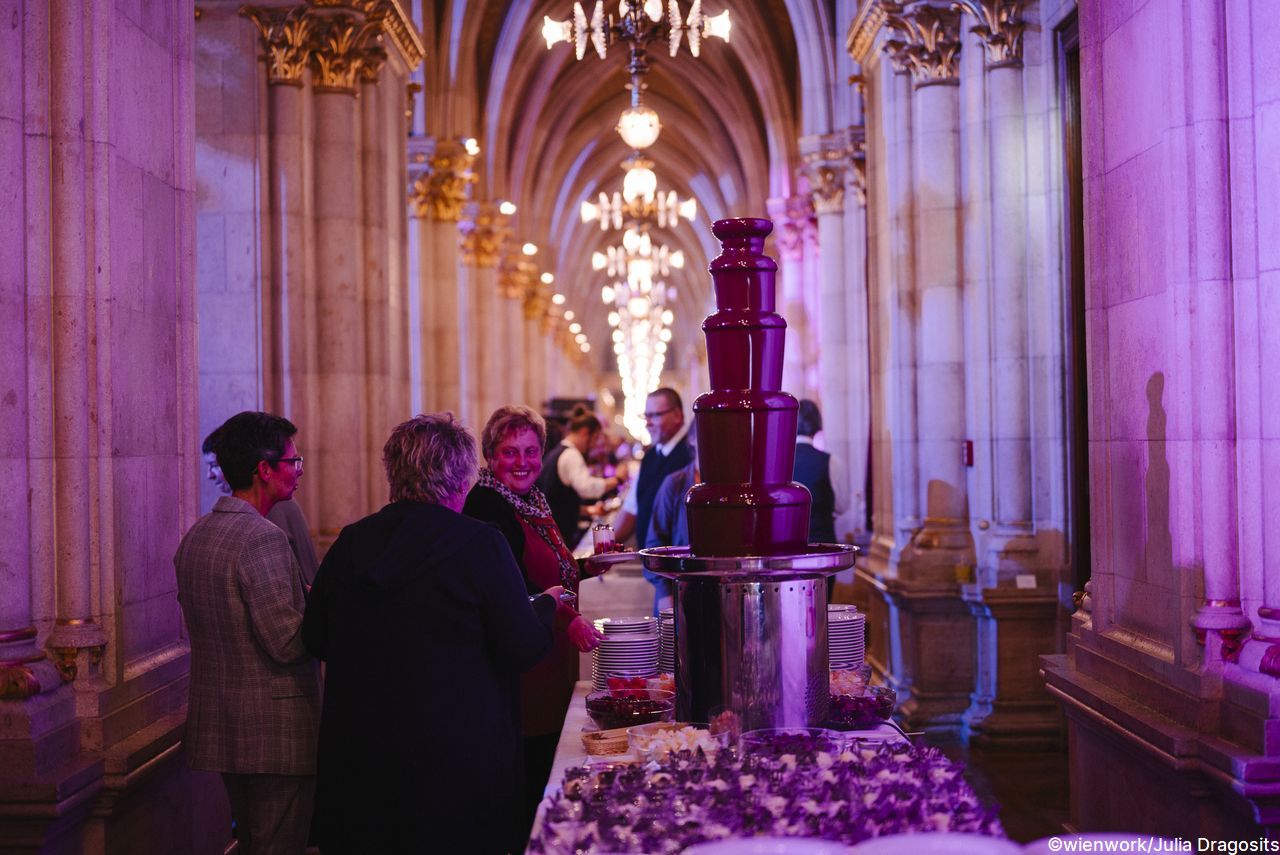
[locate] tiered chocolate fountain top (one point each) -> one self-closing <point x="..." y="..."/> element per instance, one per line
<point x="750" y="591"/>
<point x="747" y="503"/>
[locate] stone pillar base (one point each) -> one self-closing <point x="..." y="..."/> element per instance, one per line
<point x="1133" y="769"/>
<point x="923" y="643"/>
<point x="138" y="796"/>
<point x="1009" y="708"/>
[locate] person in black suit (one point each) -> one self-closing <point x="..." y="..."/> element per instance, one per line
<point x="664" y="415"/>
<point x="823" y="474"/>
<point x="425" y="623"/>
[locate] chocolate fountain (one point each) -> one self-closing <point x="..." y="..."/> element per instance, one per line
<point x="750" y="591"/>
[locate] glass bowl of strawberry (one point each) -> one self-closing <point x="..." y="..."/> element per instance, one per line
<point x="627" y="707"/>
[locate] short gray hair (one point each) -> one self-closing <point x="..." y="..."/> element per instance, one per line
<point x="429" y="458"/>
<point x="506" y="421"/>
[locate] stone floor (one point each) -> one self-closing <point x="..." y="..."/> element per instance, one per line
<point x="1030" y="787"/>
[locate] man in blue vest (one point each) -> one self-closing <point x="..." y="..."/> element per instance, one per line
<point x="664" y="416"/>
<point x="824" y="475"/>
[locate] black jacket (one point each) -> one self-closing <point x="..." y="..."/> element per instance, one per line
<point x="423" y="619"/>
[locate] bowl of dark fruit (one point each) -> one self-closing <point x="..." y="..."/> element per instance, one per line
<point x="861" y="711"/>
<point x="612" y="708"/>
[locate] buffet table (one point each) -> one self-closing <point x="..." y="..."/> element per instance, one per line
<point x="845" y="792"/>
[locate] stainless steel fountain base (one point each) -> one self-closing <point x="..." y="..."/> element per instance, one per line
<point x="751" y="633"/>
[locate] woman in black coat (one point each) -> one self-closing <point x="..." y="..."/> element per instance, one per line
<point x="424" y="622"/>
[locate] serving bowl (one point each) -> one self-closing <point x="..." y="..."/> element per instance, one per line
<point x="776" y="741"/>
<point x="656" y="740"/>
<point x="612" y="708"/>
<point x="875" y="704"/>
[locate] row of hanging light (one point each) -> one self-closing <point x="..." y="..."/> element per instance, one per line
<point x="637" y="295"/>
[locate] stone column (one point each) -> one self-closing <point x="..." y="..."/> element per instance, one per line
<point x="826" y="163"/>
<point x="74" y="351"/>
<point x="288" y="299"/>
<point x="380" y="397"/>
<point x="482" y="232"/>
<point x="933" y="629"/>
<point x="438" y="200"/>
<point x="792" y="217"/>
<point x="1015" y="622"/>
<point x="857" y="406"/>
<point x="336" y="441"/>
<point x="1219" y="623"/>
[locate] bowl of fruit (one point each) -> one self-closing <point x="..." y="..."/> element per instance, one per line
<point x="612" y="708"/>
<point x="864" y="710"/>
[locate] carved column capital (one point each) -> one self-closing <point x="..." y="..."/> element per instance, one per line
<point x="441" y="191"/>
<point x="793" y="220"/>
<point x="858" y="163"/>
<point x="286" y="40"/>
<point x="925" y="42"/>
<point x="340" y="49"/>
<point x="1000" y="26"/>
<point x="482" y="230"/>
<point x="516" y="274"/>
<point x="826" y="162"/>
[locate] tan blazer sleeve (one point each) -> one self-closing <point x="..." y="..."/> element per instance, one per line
<point x="268" y="580"/>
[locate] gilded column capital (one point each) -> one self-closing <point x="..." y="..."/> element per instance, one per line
<point x="482" y="230"/>
<point x="340" y="48"/>
<point x="516" y="274"/>
<point x="1000" y="26"/>
<point x="826" y="162"/>
<point x="926" y="42"/>
<point x="441" y="191"/>
<point x="536" y="300"/>
<point x="286" y="40"/>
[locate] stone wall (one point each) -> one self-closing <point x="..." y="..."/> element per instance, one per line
<point x="1169" y="683"/>
<point x="98" y="420"/>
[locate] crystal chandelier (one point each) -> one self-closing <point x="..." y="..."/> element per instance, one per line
<point x="638" y="23"/>
<point x="639" y="301"/>
<point x="639" y="202"/>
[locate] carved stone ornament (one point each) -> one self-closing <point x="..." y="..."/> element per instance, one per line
<point x="514" y="275"/>
<point x="537" y="300"/>
<point x="826" y="170"/>
<point x="926" y="42"/>
<point x="286" y="40"/>
<point x="341" y="49"/>
<point x="481" y="233"/>
<point x="1000" y="26"/>
<point x="858" y="163"/>
<point x="793" y="221"/>
<point x="441" y="192"/>
<point x="18" y="679"/>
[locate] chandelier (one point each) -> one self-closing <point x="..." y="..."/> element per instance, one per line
<point x="639" y="202"/>
<point x="639" y="301"/>
<point x="638" y="23"/>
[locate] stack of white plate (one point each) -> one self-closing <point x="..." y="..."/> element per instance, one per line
<point x="667" y="641"/>
<point x="846" y="636"/>
<point x="629" y="649"/>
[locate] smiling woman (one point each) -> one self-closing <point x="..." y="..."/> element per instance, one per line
<point x="507" y="497"/>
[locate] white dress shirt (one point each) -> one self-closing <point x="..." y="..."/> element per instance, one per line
<point x="630" y="503"/>
<point x="573" y="470"/>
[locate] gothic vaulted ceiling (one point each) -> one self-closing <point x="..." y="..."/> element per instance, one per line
<point x="544" y="120"/>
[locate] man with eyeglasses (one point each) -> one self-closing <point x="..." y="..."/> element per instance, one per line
<point x="254" y="704"/>
<point x="664" y="416"/>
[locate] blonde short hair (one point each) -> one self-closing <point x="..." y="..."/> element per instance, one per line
<point x="429" y="458"/>
<point x="506" y="421"/>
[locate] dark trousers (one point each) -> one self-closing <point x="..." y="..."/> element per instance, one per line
<point x="539" y="755"/>
<point x="272" y="812"/>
